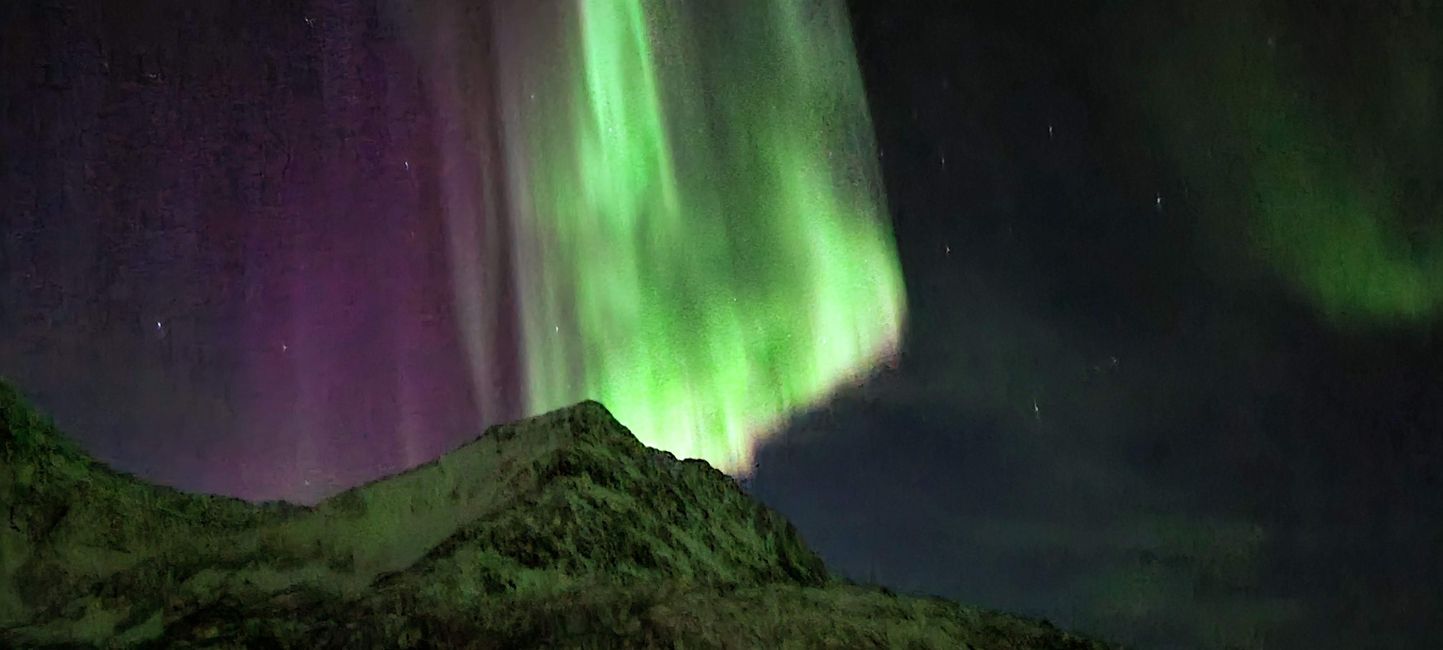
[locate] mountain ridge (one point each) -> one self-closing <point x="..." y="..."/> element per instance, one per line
<point x="560" y="530"/>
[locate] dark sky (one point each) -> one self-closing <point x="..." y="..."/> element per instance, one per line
<point x="226" y="258"/>
<point x="1102" y="415"/>
<point x="1144" y="391"/>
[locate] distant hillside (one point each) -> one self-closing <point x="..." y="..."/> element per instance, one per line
<point x="557" y="531"/>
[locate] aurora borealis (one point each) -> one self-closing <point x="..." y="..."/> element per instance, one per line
<point x="435" y="216"/>
<point x="1306" y="176"/>
<point x="698" y="216"/>
<point x="697" y="231"/>
<point x="1156" y="287"/>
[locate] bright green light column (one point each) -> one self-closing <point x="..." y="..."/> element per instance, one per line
<point x="702" y="240"/>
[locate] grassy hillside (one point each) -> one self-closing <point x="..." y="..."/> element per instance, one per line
<point x="560" y="530"/>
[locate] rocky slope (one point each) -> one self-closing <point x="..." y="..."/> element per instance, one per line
<point x="557" y="531"/>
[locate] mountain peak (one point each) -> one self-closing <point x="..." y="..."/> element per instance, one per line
<point x="557" y="530"/>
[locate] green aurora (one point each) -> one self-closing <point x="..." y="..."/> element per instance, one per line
<point x="700" y="231"/>
<point x="1231" y="94"/>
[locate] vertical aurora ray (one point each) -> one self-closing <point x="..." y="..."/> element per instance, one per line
<point x="699" y="230"/>
<point x="342" y="237"/>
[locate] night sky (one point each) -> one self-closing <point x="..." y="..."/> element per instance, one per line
<point x="1153" y="354"/>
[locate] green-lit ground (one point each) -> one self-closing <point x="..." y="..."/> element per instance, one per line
<point x="559" y="531"/>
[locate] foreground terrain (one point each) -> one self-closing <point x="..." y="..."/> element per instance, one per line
<point x="557" y="531"/>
